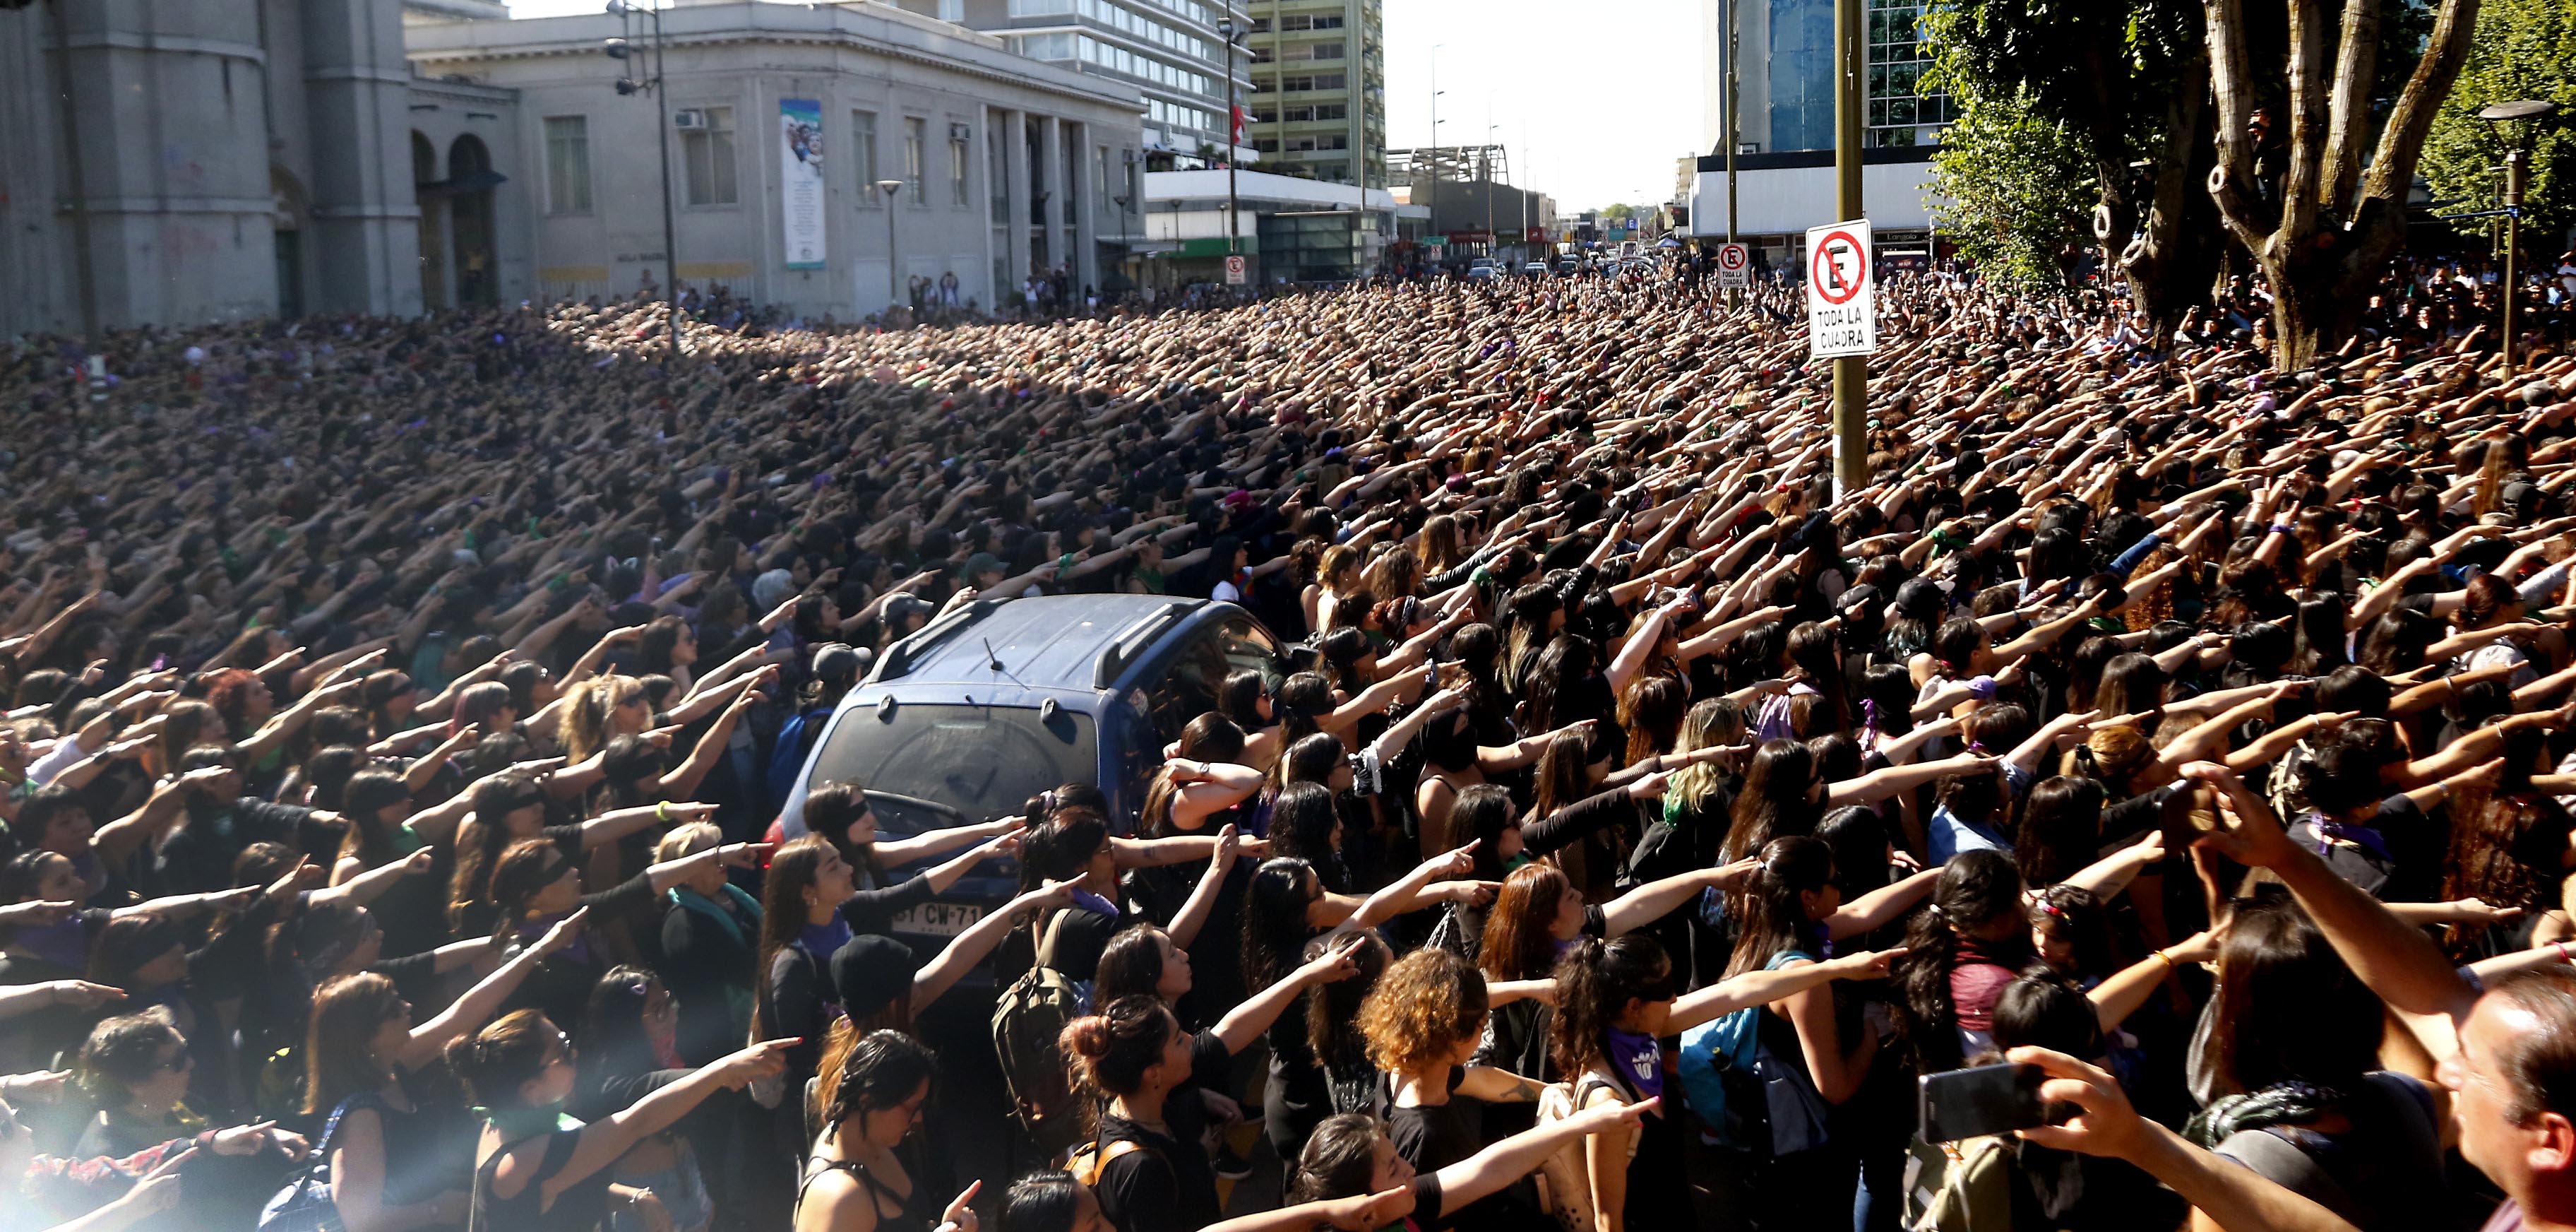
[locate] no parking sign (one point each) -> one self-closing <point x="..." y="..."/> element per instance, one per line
<point x="1734" y="267"/>
<point x="1840" y="282"/>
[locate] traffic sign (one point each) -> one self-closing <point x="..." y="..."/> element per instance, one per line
<point x="1734" y="267"/>
<point x="1840" y="317"/>
<point x="1234" y="274"/>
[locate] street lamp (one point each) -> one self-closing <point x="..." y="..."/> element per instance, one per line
<point x="620" y="50"/>
<point x="1233" y="134"/>
<point x="894" y="289"/>
<point x="2514" y="123"/>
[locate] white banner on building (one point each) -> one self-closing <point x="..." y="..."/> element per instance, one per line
<point x="800" y="134"/>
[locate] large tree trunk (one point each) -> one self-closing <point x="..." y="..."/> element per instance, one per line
<point x="2171" y="256"/>
<point x="2330" y="234"/>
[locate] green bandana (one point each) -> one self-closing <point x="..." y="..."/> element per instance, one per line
<point x="519" y="1124"/>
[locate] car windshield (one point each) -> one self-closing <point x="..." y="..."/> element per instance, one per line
<point x="983" y="761"/>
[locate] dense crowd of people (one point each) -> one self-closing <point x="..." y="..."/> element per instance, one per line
<point x="402" y="715"/>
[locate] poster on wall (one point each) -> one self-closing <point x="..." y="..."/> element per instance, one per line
<point x="800" y="130"/>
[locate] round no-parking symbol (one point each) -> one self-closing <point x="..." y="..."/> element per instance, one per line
<point x="1841" y="267"/>
<point x="1732" y="257"/>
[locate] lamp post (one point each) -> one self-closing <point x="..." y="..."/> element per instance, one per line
<point x="1431" y="189"/>
<point x="1233" y="35"/>
<point x="1493" y="243"/>
<point x="894" y="286"/>
<point x="2514" y="122"/>
<point x="618" y="50"/>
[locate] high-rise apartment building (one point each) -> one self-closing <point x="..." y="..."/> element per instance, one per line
<point x="1784" y="122"/>
<point x="1319" y="87"/>
<point x="1172" y="51"/>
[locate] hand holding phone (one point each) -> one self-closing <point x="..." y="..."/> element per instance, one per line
<point x="1980" y="1101"/>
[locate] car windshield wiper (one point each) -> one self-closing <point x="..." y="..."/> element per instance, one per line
<point x="916" y="802"/>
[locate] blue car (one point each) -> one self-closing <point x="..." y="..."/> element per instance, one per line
<point x="988" y="705"/>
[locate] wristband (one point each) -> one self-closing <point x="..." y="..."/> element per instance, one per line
<point x="662" y="810"/>
<point x="2168" y="959"/>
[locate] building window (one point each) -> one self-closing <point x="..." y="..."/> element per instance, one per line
<point x="914" y="151"/>
<point x="1040" y="8"/>
<point x="567" y="164"/>
<point x="707" y="155"/>
<point x="1056" y="46"/>
<point x="863" y="154"/>
<point x="1898" y="60"/>
<point x="952" y="10"/>
<point x="957" y="165"/>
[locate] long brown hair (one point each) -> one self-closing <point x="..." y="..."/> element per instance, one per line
<point x="346" y="1013"/>
<point x="1517" y="944"/>
<point x="782" y="912"/>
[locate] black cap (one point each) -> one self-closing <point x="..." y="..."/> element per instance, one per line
<point x="870" y="972"/>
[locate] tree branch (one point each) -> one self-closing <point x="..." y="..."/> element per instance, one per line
<point x="2348" y="129"/>
<point x="2308" y="127"/>
<point x="2231" y="79"/>
<point x="2392" y="167"/>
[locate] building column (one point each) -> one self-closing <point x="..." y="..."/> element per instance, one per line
<point x="1051" y="149"/>
<point x="1084" y="170"/>
<point x="366" y="226"/>
<point x="1015" y="161"/>
<point x="988" y="121"/>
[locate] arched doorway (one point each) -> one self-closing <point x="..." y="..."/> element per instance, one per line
<point x="427" y="194"/>
<point x="287" y="198"/>
<point x="469" y="172"/>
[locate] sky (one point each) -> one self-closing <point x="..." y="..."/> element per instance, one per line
<point x="1595" y="98"/>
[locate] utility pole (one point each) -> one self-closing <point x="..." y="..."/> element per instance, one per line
<point x="1227" y="30"/>
<point x="619" y="50"/>
<point x="1734" y="130"/>
<point x="1493" y="243"/>
<point x="1431" y="190"/>
<point x="1360" y="265"/>
<point x="1851" y="372"/>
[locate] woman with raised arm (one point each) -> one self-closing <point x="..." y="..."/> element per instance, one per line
<point x="535" y="1168"/>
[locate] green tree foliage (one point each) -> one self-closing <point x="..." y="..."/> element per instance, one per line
<point x="2019" y="184"/>
<point x="2114" y="91"/>
<point x="2522" y="49"/>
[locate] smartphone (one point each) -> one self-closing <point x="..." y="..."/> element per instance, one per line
<point x="1988" y="1099"/>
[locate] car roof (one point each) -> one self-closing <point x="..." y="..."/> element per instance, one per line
<point x="1047" y="642"/>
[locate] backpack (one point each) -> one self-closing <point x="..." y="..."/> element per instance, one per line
<point x="1660" y="853"/>
<point x="796" y="738"/>
<point x="1565" y="1176"/>
<point x="1028" y="1019"/>
<point x="1960" y="1186"/>
<point x="306" y="1204"/>
<point x="1744" y="1095"/>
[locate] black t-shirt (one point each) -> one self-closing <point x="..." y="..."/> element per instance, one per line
<point x="1428" y="1202"/>
<point x="2394" y="859"/>
<point x="1211" y="1069"/>
<point x="1438" y="1135"/>
<point x="1080" y="937"/>
<point x="1167" y="1186"/>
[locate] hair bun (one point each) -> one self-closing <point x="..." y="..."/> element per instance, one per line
<point x="1086" y="1036"/>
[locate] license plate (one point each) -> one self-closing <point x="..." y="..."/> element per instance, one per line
<point x="938" y="919"/>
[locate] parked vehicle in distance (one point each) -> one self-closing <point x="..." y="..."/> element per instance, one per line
<point x="988" y="705"/>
